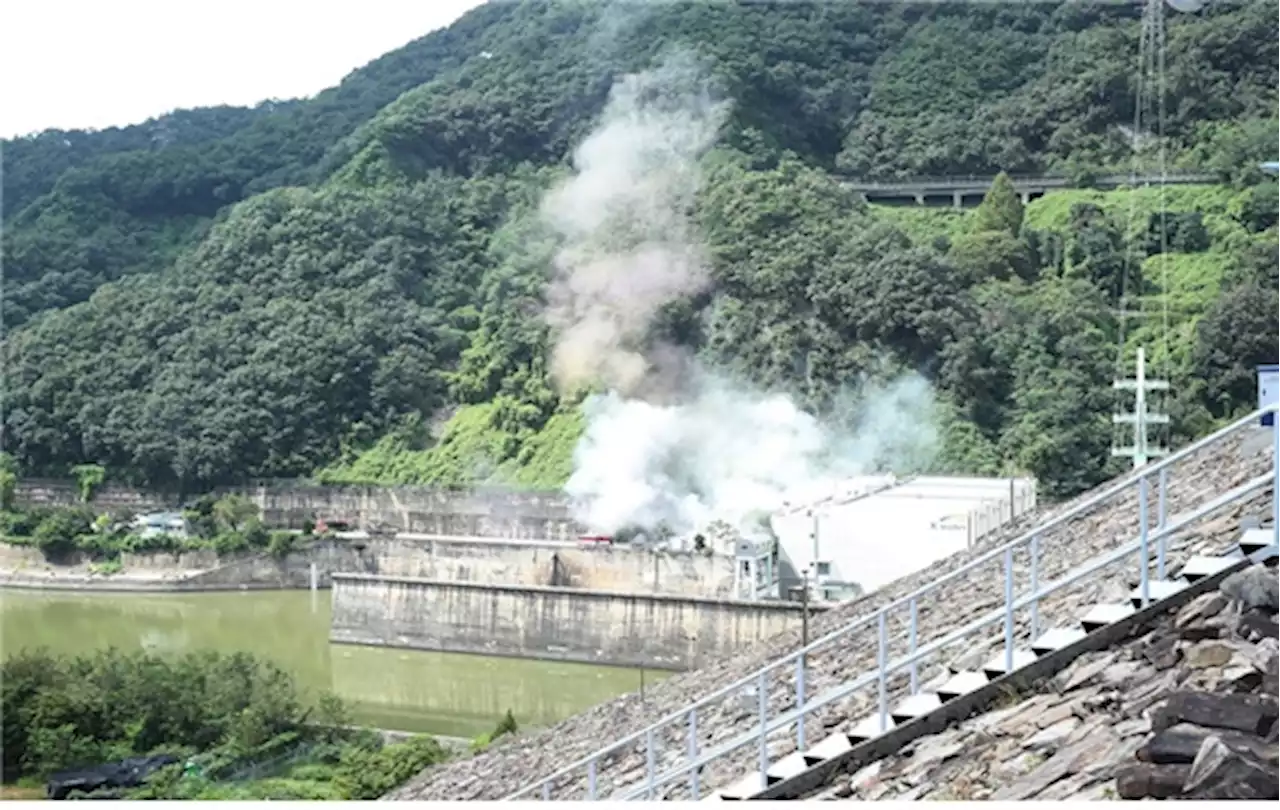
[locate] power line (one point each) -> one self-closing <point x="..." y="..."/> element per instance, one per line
<point x="1134" y="301"/>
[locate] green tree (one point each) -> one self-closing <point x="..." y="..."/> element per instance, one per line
<point x="8" y="482"/>
<point x="1258" y="207"/>
<point x="1001" y="208"/>
<point x="88" y="478"/>
<point x="1235" y="336"/>
<point x="235" y="512"/>
<point x="992" y="256"/>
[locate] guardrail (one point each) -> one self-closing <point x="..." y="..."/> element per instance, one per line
<point x="974" y="182"/>
<point x="695" y="759"/>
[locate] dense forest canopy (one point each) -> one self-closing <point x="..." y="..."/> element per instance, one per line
<point x="352" y="284"/>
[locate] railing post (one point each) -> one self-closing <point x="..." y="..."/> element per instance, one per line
<point x="1275" y="485"/>
<point x="1008" y="610"/>
<point x="882" y="665"/>
<point x="1162" y="498"/>
<point x="915" y="669"/>
<point x="763" y="709"/>
<point x="694" y="788"/>
<point x="1035" y="586"/>
<point x="650" y="766"/>
<point x="591" y="780"/>
<point x="800" y="703"/>
<point x="1162" y="517"/>
<point x="1144" y="573"/>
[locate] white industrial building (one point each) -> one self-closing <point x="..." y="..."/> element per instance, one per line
<point x="871" y="531"/>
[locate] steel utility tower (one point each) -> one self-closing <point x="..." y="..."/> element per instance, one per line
<point x="1140" y="451"/>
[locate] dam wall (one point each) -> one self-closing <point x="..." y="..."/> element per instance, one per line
<point x="290" y="504"/>
<point x="662" y="631"/>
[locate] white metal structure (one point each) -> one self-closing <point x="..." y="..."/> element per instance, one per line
<point x="892" y="529"/>
<point x="1141" y="451"/>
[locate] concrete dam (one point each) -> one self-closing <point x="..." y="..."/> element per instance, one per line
<point x="662" y="631"/>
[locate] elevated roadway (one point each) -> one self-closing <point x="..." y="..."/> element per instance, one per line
<point x="967" y="191"/>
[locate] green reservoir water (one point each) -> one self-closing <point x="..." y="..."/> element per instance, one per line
<point x="436" y="693"/>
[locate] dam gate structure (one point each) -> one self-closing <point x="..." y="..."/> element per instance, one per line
<point x="1058" y="599"/>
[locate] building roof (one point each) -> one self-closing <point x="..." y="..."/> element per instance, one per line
<point x="891" y="531"/>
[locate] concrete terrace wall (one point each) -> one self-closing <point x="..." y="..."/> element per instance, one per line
<point x="485" y="561"/>
<point x="561" y="624"/>
<point x="482" y="560"/>
<point x="530" y="516"/>
<point x="17" y="558"/>
<point x="289" y="504"/>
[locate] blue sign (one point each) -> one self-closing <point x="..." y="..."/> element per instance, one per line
<point x="1268" y="391"/>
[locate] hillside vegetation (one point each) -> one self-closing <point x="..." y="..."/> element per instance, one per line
<point x="351" y="285"/>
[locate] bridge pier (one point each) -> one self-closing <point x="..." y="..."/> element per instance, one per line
<point x="957" y="199"/>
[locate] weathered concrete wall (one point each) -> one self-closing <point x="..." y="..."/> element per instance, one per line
<point x="163" y="561"/>
<point x="653" y="630"/>
<point x="485" y="561"/>
<point x="289" y="504"/>
<point x="44" y="492"/>
<point x="481" y="560"/>
<point x="520" y="562"/>
<point x="19" y="558"/>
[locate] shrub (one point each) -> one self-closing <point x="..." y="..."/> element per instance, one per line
<point x="364" y="774"/>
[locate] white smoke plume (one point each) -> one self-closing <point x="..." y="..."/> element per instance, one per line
<point x="623" y="217"/>
<point x="663" y="448"/>
<point x="726" y="454"/>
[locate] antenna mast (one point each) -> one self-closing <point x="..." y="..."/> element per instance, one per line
<point x="1141" y="451"/>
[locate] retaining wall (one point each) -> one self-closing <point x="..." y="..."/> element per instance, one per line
<point x="289" y="504"/>
<point x="483" y="560"/>
<point x="661" y="631"/>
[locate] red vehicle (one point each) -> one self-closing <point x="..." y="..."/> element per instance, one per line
<point x="595" y="540"/>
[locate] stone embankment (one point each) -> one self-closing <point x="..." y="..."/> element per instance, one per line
<point x="521" y="761"/>
<point x="1184" y="709"/>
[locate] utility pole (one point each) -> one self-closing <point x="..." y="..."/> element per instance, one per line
<point x="804" y="611"/>
<point x="1141" y="451"/>
<point x="814" y="535"/>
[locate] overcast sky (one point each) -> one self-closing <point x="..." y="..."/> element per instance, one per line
<point x="75" y="64"/>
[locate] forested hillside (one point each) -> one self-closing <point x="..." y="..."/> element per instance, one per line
<point x="353" y="285"/>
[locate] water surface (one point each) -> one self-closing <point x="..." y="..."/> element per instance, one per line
<point x="436" y="693"/>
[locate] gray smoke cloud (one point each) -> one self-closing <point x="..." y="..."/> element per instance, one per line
<point x="672" y="443"/>
<point x="627" y="245"/>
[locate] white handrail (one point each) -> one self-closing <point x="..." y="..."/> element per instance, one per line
<point x="842" y="691"/>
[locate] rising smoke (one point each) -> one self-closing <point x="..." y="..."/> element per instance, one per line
<point x="727" y="453"/>
<point x="672" y="443"/>
<point x="628" y="246"/>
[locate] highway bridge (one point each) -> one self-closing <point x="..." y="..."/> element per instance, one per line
<point x="968" y="191"/>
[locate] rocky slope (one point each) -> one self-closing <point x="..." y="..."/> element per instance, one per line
<point x="509" y="767"/>
<point x="1184" y="709"/>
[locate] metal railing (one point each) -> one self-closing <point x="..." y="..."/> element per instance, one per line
<point x="695" y="759"/>
<point x="951" y="182"/>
